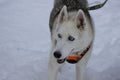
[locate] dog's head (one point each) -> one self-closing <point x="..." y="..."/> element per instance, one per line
<point x="71" y="34"/>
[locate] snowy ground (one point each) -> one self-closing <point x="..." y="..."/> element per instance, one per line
<point x="25" y="41"/>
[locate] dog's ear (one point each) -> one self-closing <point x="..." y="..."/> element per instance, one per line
<point x="80" y="20"/>
<point x="63" y="15"/>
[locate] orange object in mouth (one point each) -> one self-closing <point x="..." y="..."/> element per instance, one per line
<point x="75" y="58"/>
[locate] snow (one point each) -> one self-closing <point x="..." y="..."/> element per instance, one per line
<point x="25" y="42"/>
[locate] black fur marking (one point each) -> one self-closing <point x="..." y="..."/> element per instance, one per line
<point x="72" y="5"/>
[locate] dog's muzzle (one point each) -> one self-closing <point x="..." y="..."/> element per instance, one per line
<point x="76" y="58"/>
<point x="60" y="61"/>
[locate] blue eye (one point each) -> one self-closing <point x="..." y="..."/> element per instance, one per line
<point x="59" y="36"/>
<point x="71" y="38"/>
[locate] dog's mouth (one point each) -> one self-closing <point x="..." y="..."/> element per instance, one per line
<point x="60" y="61"/>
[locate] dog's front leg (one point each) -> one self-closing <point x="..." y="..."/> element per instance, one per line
<point x="80" y="71"/>
<point x="81" y="66"/>
<point x="53" y="69"/>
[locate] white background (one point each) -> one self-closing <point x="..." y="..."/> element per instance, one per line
<point x="25" y="41"/>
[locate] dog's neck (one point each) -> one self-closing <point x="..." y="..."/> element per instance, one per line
<point x="79" y="56"/>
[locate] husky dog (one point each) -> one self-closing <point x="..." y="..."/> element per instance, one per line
<point x="72" y="34"/>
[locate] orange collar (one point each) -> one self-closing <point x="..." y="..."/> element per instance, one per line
<point x="75" y="59"/>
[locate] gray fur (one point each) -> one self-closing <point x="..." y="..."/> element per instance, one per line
<point x="72" y="5"/>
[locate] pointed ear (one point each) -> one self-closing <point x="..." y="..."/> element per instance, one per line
<point x="80" y="20"/>
<point x="63" y="15"/>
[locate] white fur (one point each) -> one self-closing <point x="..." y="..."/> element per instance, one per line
<point x="66" y="24"/>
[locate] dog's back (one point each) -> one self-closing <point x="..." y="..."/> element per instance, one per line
<point x="72" y="5"/>
<point x="76" y="4"/>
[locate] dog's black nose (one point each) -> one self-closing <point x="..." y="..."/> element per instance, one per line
<point x="57" y="54"/>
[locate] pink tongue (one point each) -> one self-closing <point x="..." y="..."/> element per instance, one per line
<point x="60" y="61"/>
